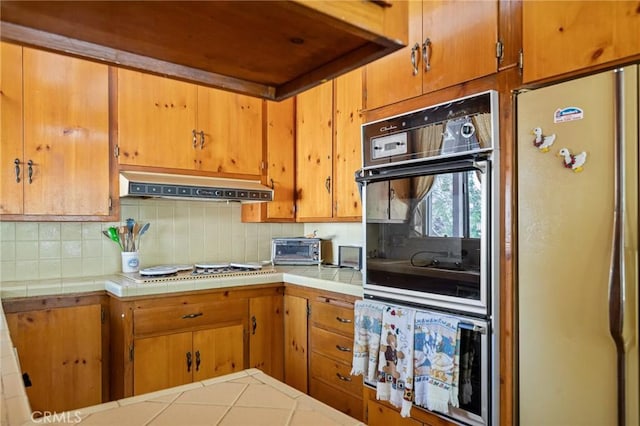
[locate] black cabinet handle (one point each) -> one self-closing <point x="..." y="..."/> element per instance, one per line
<point x="254" y="324"/>
<point x="194" y="139"/>
<point x="343" y="348"/>
<point x="197" y="360"/>
<point x="327" y="184"/>
<point x="201" y="139"/>
<point x="189" y="362"/>
<point x="188" y="316"/>
<point x="30" y="170"/>
<point x="17" y="163"/>
<point x="343" y="320"/>
<point x="343" y="378"/>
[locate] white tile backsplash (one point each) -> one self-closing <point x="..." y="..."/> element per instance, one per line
<point x="180" y="232"/>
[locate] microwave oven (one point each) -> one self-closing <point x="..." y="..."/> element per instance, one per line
<point x="296" y="251"/>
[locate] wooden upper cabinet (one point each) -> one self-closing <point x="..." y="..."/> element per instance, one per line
<point x="347" y="145"/>
<point x="560" y="37"/>
<point x="279" y="152"/>
<point x="169" y="124"/>
<point x="450" y="42"/>
<point x="314" y="153"/>
<point x="328" y="150"/>
<point x="232" y="126"/>
<point x="156" y="121"/>
<point x="11" y="143"/>
<point x="64" y="168"/>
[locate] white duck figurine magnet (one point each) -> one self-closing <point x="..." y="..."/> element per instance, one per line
<point x="542" y="142"/>
<point x="573" y="162"/>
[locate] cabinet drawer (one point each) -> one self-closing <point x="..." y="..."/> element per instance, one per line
<point x="335" y="373"/>
<point x="332" y="344"/>
<point x="347" y="403"/>
<point x="333" y="316"/>
<point x="162" y="319"/>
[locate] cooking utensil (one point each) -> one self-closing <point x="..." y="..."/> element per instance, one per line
<point x="141" y="232"/>
<point x="112" y="233"/>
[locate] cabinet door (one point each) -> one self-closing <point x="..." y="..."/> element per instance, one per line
<point x="391" y="78"/>
<point x="156" y="120"/>
<point x="296" y="342"/>
<point x="218" y="351"/>
<point x="279" y="122"/>
<point x="347" y="145"/>
<point x="463" y="37"/>
<point x="280" y="158"/>
<point x="314" y="161"/>
<point x="162" y="362"/>
<point x="66" y="135"/>
<point x="266" y="335"/>
<point x="61" y="350"/>
<point x="11" y="147"/>
<point x="379" y="414"/>
<point x="232" y="125"/>
<point x="563" y="36"/>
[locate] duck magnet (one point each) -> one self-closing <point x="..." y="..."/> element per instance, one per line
<point x="542" y="142"/>
<point x="571" y="161"/>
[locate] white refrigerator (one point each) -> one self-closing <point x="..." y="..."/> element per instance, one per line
<point x="577" y="252"/>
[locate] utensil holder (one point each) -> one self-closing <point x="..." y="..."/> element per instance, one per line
<point x="130" y="261"/>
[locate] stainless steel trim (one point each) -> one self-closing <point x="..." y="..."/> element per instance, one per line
<point x="616" y="289"/>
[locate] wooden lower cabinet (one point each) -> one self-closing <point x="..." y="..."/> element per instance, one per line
<point x="295" y="342"/>
<point x="382" y="413"/>
<point x="60" y="349"/>
<point x="266" y="336"/>
<point x="331" y="343"/>
<point x="162" y="341"/>
<point x="176" y="359"/>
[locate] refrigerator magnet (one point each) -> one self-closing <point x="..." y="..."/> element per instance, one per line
<point x="562" y="115"/>
<point x="571" y="161"/>
<point x="542" y="142"/>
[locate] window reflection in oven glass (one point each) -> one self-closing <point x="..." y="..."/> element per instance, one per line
<point x="424" y="233"/>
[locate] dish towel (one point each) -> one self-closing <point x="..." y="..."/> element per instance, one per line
<point x="395" y="364"/>
<point x="437" y="357"/>
<point x="366" y="342"/>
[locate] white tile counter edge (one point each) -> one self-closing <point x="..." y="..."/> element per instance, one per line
<point x="15" y="408"/>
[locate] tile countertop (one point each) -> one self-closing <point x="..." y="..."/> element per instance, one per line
<point x="281" y="405"/>
<point x="340" y="280"/>
<point x="248" y="397"/>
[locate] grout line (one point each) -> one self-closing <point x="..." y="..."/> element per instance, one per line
<point x="233" y="403"/>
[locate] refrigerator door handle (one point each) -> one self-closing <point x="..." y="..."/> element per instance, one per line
<point x="616" y="288"/>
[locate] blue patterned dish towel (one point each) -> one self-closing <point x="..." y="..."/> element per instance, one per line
<point x="437" y="359"/>
<point x="395" y="363"/>
<point x="366" y="342"/>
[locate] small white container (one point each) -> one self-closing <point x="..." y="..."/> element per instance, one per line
<point x="130" y="261"/>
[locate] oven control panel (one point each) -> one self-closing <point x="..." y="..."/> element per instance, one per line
<point x="388" y="146"/>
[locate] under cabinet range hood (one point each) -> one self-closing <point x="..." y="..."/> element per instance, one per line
<point x="186" y="187"/>
<point x="267" y="49"/>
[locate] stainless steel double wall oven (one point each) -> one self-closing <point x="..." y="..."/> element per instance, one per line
<point x="430" y="189"/>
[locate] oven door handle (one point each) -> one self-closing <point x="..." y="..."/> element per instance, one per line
<point x="473" y="327"/>
<point x="381" y="174"/>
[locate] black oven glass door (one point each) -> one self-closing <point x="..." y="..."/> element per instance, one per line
<point x="293" y="251"/>
<point x="427" y="235"/>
